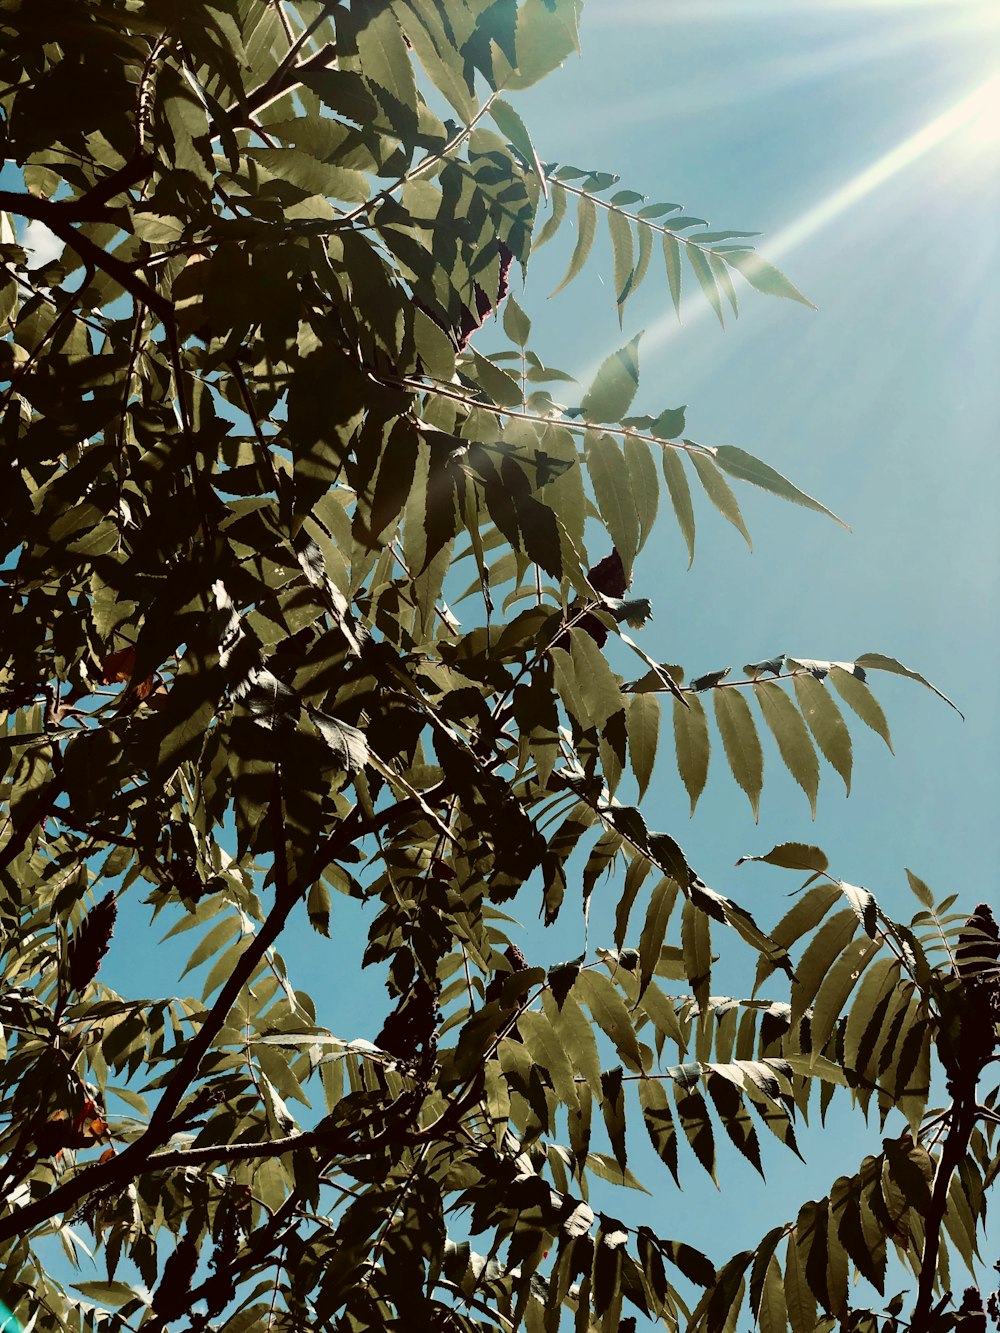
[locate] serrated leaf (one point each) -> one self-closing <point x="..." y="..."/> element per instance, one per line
<point x="719" y="492"/>
<point x="614" y="386"/>
<point x="696" y="942"/>
<point x="318" y="908"/>
<point x="703" y="272"/>
<point x="680" y="497"/>
<point x="741" y="743"/>
<point x="826" y="724"/>
<point x="551" y="224"/>
<point x="721" y="275"/>
<point x="548" y="1054"/>
<point x="792" y="856"/>
<point x="622" y="252"/>
<point x="157" y="228"/>
<point x="386" y="64"/>
<point x="879" y="662"/>
<point x="609" y="476"/>
<point x="347" y="744"/>
<point x="790" y="731"/>
<point x="659" y="1123"/>
<point x="644" y="483"/>
<point x="576" y="1033"/>
<point x="608" y="1008"/>
<point x="836" y="987"/>
<point x="800" y="1302"/>
<point x="767" y="279"/>
<point x="510" y="124"/>
<point x="643" y="736"/>
<point x="654" y="930"/>
<point x="920" y="889"/>
<point x="545" y="36"/>
<point x="812" y="968"/>
<point x="672" y="259"/>
<point x="770" y="1311"/>
<point x="586" y="229"/>
<point x="735" y="1117"/>
<point x="516" y="323"/>
<point x="858" y="696"/>
<point x="601" y="692"/>
<point x="692" y="746"/>
<point x="692" y="1112"/>
<point x="738" y="463"/>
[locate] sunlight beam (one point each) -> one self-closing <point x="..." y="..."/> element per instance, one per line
<point x="978" y="114"/>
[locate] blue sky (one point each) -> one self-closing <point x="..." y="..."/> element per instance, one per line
<point x="846" y="134"/>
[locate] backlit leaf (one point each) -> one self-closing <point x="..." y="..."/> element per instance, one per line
<point x="741" y="743"/>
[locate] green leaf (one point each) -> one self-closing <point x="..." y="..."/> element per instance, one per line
<point x="643" y="736"/>
<point x="608" y="1009"/>
<point x="680" y="497"/>
<point x="576" y="1035"/>
<point x="769" y="280"/>
<point x="920" y="889"/>
<point x="659" y="1123"/>
<point x="548" y="1054"/>
<point x="793" y="856"/>
<point x="741" y="743"/>
<point x="318" y="908"/>
<point x="614" y="386"/>
<point x="157" y="228"/>
<point x="510" y="124"/>
<point x="347" y="744"/>
<point x="738" y="463"/>
<point x="586" y="230"/>
<point x="644" y="483"/>
<point x="386" y="64"/>
<point x="836" y="986"/>
<point x="703" y="272"/>
<point x="672" y="259"/>
<point x="771" y="1314"/>
<point x="692" y="745"/>
<point x="612" y="488"/>
<point x="516" y="323"/>
<point x="622" y="252"/>
<point x="792" y="735"/>
<point x="800" y="1302"/>
<point x="601" y="692"/>
<point x="551" y="224"/>
<point x="719" y="492"/>
<point x="661" y="905"/>
<point x="721" y="275"/>
<point x="859" y="697"/>
<point x="826" y="724"/>
<point x="696" y="941"/>
<point x="692" y="1112"/>
<point x="879" y="662"/>
<point x="826" y="947"/>
<point x="546" y="34"/>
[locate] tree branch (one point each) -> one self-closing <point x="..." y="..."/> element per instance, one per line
<point x="118" y="1171"/>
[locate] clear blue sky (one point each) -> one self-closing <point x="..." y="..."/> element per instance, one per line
<point x="844" y="132"/>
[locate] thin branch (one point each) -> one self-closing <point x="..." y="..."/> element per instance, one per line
<point x="425" y="163"/>
<point x="441" y="390"/>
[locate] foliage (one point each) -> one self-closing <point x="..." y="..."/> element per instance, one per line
<point x="253" y="453"/>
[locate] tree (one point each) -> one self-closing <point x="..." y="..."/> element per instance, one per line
<point x="255" y="454"/>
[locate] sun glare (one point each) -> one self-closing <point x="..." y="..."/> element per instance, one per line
<point x="972" y="126"/>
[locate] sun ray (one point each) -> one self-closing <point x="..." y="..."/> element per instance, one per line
<point x="975" y="123"/>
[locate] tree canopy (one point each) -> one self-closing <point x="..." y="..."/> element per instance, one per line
<point x="313" y="609"/>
